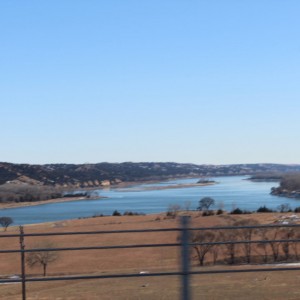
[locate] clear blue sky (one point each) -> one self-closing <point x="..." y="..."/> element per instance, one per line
<point x="200" y="81"/>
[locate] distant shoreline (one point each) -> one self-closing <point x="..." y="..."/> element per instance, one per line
<point x="35" y="203"/>
<point x="124" y="188"/>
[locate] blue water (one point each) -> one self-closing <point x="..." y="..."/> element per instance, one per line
<point x="229" y="193"/>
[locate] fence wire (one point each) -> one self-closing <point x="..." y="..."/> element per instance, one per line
<point x="184" y="244"/>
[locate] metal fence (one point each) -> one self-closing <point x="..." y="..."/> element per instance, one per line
<point x="184" y="243"/>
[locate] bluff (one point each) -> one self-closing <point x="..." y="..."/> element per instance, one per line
<point x="289" y="186"/>
<point x="105" y="174"/>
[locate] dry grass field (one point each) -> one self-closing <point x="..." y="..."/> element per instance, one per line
<point x="268" y="285"/>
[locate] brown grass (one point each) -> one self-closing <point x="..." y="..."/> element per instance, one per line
<point x="272" y="285"/>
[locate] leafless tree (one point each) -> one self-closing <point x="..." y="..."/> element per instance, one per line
<point x="286" y="234"/>
<point x="295" y="245"/>
<point x="5" y="222"/>
<point x="230" y="235"/>
<point x="246" y="234"/>
<point x="42" y="258"/>
<point x="271" y="236"/>
<point x="173" y="210"/>
<point x="215" y="253"/>
<point x="262" y="232"/>
<point x="203" y="237"/>
<point x="284" y="207"/>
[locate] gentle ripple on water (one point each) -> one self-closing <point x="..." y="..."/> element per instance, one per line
<point x="230" y="192"/>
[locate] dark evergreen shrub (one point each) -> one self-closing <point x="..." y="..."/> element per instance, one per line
<point x="264" y="209"/>
<point x="297" y="209"/>
<point x="116" y="213"/>
<point x="207" y="213"/>
<point x="236" y="211"/>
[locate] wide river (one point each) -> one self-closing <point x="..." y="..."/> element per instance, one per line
<point x="229" y="193"/>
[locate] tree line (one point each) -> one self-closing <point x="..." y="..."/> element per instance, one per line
<point x="28" y="193"/>
<point x="289" y="186"/>
<point x="265" y="249"/>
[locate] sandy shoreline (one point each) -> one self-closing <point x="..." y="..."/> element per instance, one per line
<point x="57" y="200"/>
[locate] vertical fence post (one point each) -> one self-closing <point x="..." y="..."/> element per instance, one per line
<point x="22" y="248"/>
<point x="185" y="259"/>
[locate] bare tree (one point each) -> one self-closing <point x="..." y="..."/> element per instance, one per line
<point x="173" y="210"/>
<point x="230" y="248"/>
<point x="264" y="246"/>
<point x="286" y="234"/>
<point x="284" y="207"/>
<point x="42" y="258"/>
<point x="215" y="253"/>
<point x="271" y="236"/>
<point x="203" y="237"/>
<point x="294" y="245"/>
<point x="246" y="234"/>
<point x="5" y="222"/>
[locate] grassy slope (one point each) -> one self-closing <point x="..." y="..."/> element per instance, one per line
<point x="275" y="285"/>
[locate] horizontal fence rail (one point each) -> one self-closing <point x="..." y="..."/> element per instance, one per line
<point x="184" y="243"/>
<point x="149" y="230"/>
<point x="150" y="246"/>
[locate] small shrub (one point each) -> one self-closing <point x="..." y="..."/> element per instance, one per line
<point x="297" y="209"/>
<point x="130" y="213"/>
<point x="97" y="215"/>
<point x="264" y="209"/>
<point x="220" y="211"/>
<point x="170" y="214"/>
<point x="236" y="211"/>
<point x="207" y="213"/>
<point x="116" y="213"/>
<point x="173" y="211"/>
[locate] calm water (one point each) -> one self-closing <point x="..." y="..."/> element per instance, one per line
<point x="231" y="192"/>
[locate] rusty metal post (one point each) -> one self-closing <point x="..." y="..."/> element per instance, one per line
<point x="22" y="248"/>
<point x="185" y="258"/>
